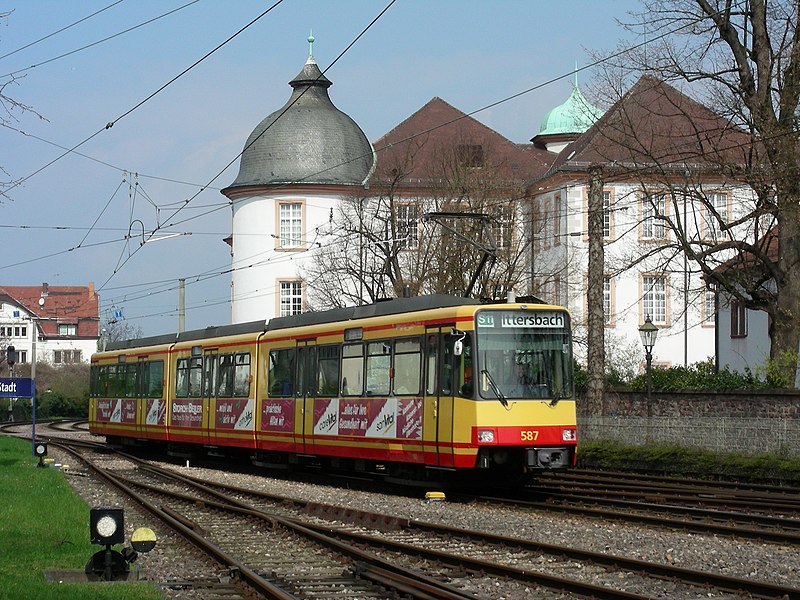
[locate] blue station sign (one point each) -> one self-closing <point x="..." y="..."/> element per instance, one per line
<point x="16" y="387"/>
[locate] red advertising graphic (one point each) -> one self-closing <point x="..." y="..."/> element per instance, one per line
<point x="156" y="412"/>
<point x="326" y="416"/>
<point x="277" y="415"/>
<point x="383" y="418"/>
<point x="409" y="418"/>
<point x="116" y="411"/>
<point x="187" y="413"/>
<point x="235" y="414"/>
<point x="353" y="417"/>
<point x="104" y="410"/>
<point x="386" y="418"/>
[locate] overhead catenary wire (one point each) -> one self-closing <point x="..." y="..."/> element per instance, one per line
<point x="62" y="29"/>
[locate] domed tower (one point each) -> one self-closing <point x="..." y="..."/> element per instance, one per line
<point x="567" y="121"/>
<point x="297" y="164"/>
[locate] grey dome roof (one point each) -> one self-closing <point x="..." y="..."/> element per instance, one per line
<point x="307" y="141"/>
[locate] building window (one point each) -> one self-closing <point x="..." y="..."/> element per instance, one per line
<point x="290" y="216"/>
<point x="606" y="214"/>
<point x="407" y="226"/>
<point x="557" y="219"/>
<point x="738" y="319"/>
<point x="66" y="357"/>
<point x="20" y="331"/>
<point x="653" y="206"/>
<point x="502" y="220"/>
<point x="608" y="301"/>
<point x="67" y="329"/>
<point x="470" y="155"/>
<point x="291" y="299"/>
<point x="716" y="203"/>
<point x="654" y="298"/>
<point x="709" y="308"/>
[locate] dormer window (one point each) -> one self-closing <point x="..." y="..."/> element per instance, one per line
<point x="470" y="155"/>
<point x="67" y="329"/>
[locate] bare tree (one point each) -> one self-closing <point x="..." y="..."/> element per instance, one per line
<point x="9" y="111"/>
<point x="381" y="243"/>
<point x="742" y="59"/>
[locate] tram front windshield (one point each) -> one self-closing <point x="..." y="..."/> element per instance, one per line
<point x="524" y="354"/>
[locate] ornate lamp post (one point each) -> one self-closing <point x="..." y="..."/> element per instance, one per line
<point x="648" y="333"/>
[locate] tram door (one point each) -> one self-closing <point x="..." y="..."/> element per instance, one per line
<point x="305" y="390"/>
<point x="439" y="393"/>
<point x="209" y="394"/>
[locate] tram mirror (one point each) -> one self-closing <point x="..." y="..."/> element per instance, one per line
<point x="458" y="344"/>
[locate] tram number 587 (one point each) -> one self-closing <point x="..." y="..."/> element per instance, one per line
<point x="529" y="435"/>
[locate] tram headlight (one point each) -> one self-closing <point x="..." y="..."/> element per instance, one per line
<point x="486" y="436"/>
<point x="569" y="435"/>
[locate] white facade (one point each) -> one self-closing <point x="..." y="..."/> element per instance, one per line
<point x="642" y="278"/>
<point x="273" y="239"/>
<point x="742" y="337"/>
<point x="17" y="327"/>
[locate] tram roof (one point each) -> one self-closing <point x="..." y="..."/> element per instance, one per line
<point x="394" y="306"/>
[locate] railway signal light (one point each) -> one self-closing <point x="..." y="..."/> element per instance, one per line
<point x="106" y="525"/>
<point x="11" y="356"/>
<point x="107" y="528"/>
<point x="40" y="451"/>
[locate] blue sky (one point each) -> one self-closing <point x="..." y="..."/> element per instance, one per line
<point x="66" y="224"/>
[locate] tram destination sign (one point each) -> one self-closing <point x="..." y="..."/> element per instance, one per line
<point x="16" y="387"/>
<point x="522" y="319"/>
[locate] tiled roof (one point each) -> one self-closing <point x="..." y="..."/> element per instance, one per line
<point x="655" y="125"/>
<point x="420" y="144"/>
<point x="63" y="304"/>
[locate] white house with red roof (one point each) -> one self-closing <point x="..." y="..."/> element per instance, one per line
<point x="659" y="153"/>
<point x="63" y="321"/>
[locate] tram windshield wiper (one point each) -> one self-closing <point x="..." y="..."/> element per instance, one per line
<point x="495" y="389"/>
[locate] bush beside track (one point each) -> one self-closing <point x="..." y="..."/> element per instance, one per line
<point x="688" y="462"/>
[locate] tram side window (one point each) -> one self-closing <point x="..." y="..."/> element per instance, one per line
<point x="306" y="380"/>
<point x="188" y="377"/>
<point x="379" y="368"/>
<point x="154" y="379"/>
<point x="328" y="371"/>
<point x="94" y="380"/>
<point x="466" y="386"/>
<point x="111" y="381"/>
<point x="129" y="382"/>
<point x="226" y="366"/>
<point x="210" y="383"/>
<point x="241" y="375"/>
<point x="195" y="376"/>
<point x="407" y="363"/>
<point x="446" y="379"/>
<point x="431" y="359"/>
<point x="352" y="383"/>
<point x="281" y="372"/>
<point x="182" y="378"/>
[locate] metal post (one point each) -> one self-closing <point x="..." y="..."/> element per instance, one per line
<point x="33" y="391"/>
<point x="649" y="358"/>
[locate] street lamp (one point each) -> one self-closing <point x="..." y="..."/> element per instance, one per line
<point x="648" y="333"/>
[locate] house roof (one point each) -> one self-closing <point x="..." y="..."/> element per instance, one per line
<point x="656" y="126"/>
<point x="420" y="146"/>
<point x="65" y="304"/>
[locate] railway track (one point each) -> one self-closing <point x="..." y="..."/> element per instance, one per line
<point x="408" y="546"/>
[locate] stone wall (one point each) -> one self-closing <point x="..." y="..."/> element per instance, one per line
<point x="745" y="422"/>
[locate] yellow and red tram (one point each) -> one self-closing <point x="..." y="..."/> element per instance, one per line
<point x="428" y="383"/>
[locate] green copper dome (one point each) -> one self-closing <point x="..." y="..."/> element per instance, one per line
<point x="576" y="115"/>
